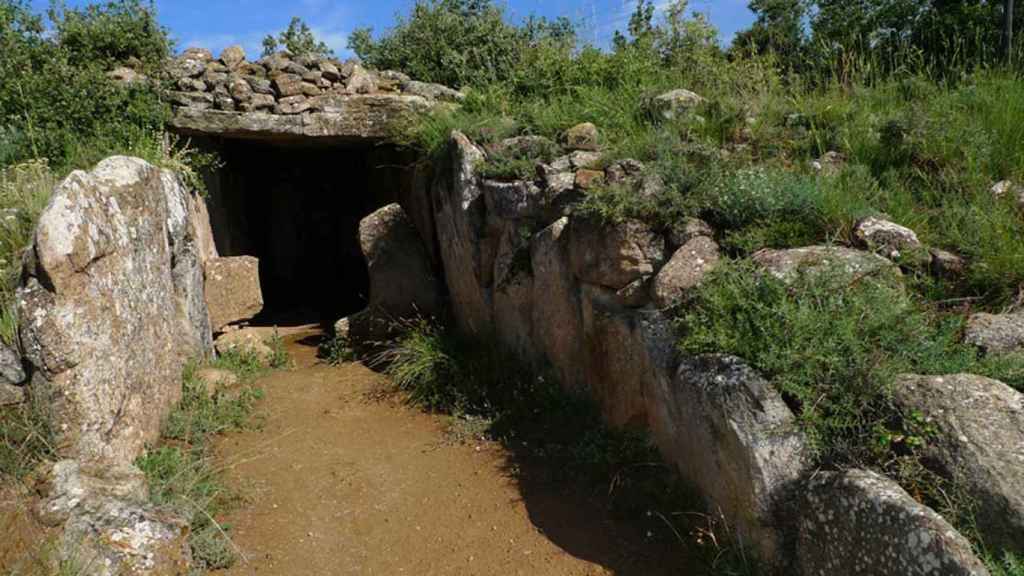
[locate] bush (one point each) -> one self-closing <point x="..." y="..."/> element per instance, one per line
<point x="832" y="345"/>
<point x="56" y="101"/>
<point x="112" y="33"/>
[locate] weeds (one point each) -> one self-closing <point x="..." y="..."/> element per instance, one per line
<point x="26" y="436"/>
<point x="1007" y="565"/>
<point x="337" y="350"/>
<point x="180" y="471"/>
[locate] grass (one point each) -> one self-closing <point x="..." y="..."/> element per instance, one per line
<point x="180" y="470"/>
<point x="24" y="191"/>
<point x="26" y="437"/>
<point x="487" y="392"/>
<point x="1007" y="565"/>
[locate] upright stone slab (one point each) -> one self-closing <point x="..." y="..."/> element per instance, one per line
<point x="112" y="306"/>
<point x="402" y="283"/>
<point x="233" y="291"/>
<point x="730" y="434"/>
<point x="557" y="313"/>
<point x="859" y="523"/>
<point x="626" y="353"/>
<point x="979" y="443"/>
<point x="460" y="218"/>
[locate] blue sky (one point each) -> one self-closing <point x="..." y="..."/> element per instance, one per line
<point x="216" y="24"/>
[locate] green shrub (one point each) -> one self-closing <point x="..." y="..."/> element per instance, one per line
<point x="24" y="192"/>
<point x="111" y="33"/>
<point x="56" y="101"/>
<point x="1008" y="565"/>
<point x="832" y="346"/>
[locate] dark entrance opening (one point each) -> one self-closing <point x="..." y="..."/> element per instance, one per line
<point x="296" y="206"/>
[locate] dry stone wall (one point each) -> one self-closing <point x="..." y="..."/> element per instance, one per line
<point x="283" y="96"/>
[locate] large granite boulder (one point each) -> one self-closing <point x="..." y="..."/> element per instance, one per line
<point x="402" y="282"/>
<point x="887" y="238"/>
<point x="613" y="255"/>
<point x="731" y="435"/>
<point x="460" y="216"/>
<point x="112" y="306"/>
<point x="979" y="444"/>
<point x="233" y="290"/>
<point x="996" y="333"/>
<point x="861" y="523"/>
<point x="787" y="265"/>
<point x="109" y="529"/>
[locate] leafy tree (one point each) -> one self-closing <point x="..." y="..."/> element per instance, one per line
<point x="778" y="30"/>
<point x="452" y="42"/>
<point x="297" y="39"/>
<point x="114" y="32"/>
<point x="56" y="101"/>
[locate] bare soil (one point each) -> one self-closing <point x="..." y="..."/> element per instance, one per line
<point x="342" y="480"/>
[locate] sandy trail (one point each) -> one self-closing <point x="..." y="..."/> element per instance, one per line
<point x="341" y="482"/>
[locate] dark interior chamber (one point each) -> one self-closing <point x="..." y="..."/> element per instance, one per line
<point x="297" y="207"/>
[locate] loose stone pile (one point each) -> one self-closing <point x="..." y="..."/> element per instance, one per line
<point x="281" y="84"/>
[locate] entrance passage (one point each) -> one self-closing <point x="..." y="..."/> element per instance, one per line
<point x="343" y="480"/>
<point x="297" y="206"/>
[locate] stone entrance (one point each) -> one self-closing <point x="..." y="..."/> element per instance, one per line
<point x="296" y="206"/>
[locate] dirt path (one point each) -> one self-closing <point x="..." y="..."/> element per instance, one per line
<point x="339" y="482"/>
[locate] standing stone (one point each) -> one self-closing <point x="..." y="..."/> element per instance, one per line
<point x="684" y="272"/>
<point x="557" y="315"/>
<point x="731" y="435"/>
<point x="233" y="56"/>
<point x="402" y="282"/>
<point x="626" y="353"/>
<point x="979" y="444"/>
<point x="233" y="290"/>
<point x="859" y="523"/>
<point x="112" y="306"/>
<point x="460" y="217"/>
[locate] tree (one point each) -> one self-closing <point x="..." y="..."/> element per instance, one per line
<point x="457" y="42"/>
<point x="778" y="30"/>
<point x="297" y="39"/>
